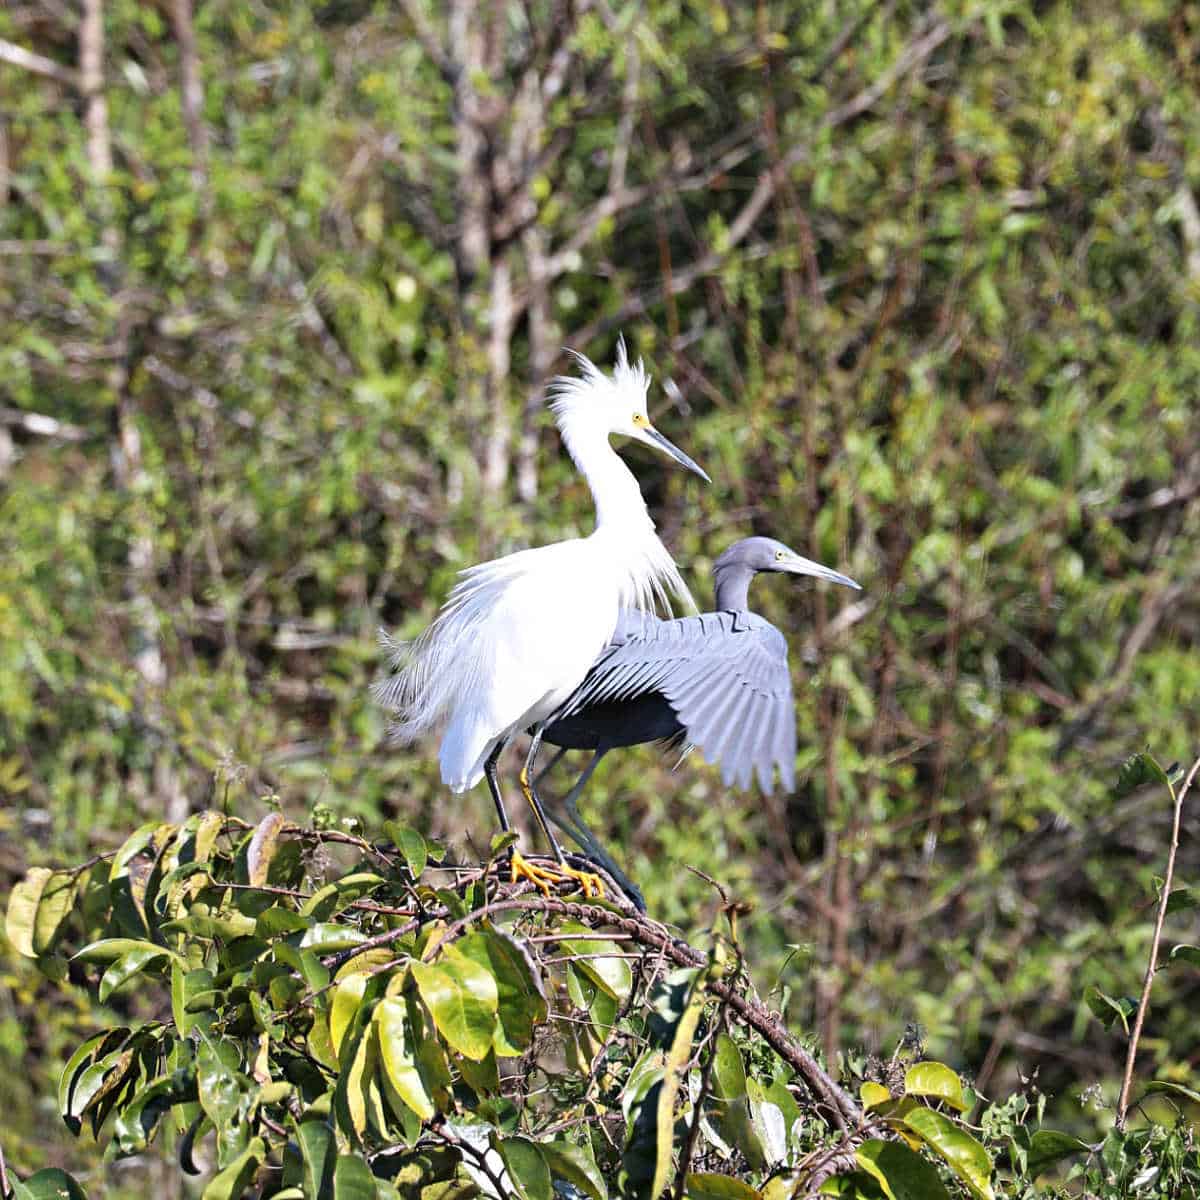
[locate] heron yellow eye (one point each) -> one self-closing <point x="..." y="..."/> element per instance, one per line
<point x="779" y="554"/>
<point x="640" y="421"/>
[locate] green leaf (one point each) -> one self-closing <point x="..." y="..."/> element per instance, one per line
<point x="186" y="986"/>
<point x="110" y="949"/>
<point x="347" y="997"/>
<point x="1137" y="771"/>
<point x="127" y="966"/>
<point x="263" y="846"/>
<point x="735" y="1117"/>
<point x="966" y="1157"/>
<point x="857" y="1185"/>
<point x="706" y="1186"/>
<point x="351" y="1100"/>
<point x="600" y="961"/>
<point x="1182" y="899"/>
<point x="871" y="1094"/>
<point x="936" y="1080"/>
<point x="51" y="895"/>
<point x="1167" y="1088"/>
<point x="1108" y="1010"/>
<point x="329" y="938"/>
<point x="221" y="1087"/>
<point x="1048" y="1146"/>
<point x="399" y="1063"/>
<point x="521" y="1001"/>
<point x="23" y="904"/>
<point x="576" y="1166"/>
<point x="527" y="1168"/>
<point x="233" y="1180"/>
<point x="679" y="1053"/>
<point x="352" y="1179"/>
<point x="1187" y="954"/>
<point x="902" y="1173"/>
<point x="50" y="1183"/>
<point x="318" y="1153"/>
<point x="411" y="845"/>
<point x="93" y="1049"/>
<point x="462" y="998"/>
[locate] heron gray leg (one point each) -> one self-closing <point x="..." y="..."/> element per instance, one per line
<point x="573" y="825"/>
<point x="550" y="766"/>
<point x="493" y="782"/>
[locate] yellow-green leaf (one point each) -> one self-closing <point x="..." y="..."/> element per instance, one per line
<point x="966" y="1157"/>
<point x="937" y="1080"/>
<point x="873" y="1093"/>
<point x="462" y="998"/>
<point x="399" y="1062"/>
<point x="902" y="1173"/>
<point x="347" y="997"/>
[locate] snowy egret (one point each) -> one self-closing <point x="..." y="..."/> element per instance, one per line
<point x="518" y="634"/>
<point x="719" y="681"/>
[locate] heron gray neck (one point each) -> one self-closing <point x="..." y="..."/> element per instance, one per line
<point x="615" y="491"/>
<point x="732" y="585"/>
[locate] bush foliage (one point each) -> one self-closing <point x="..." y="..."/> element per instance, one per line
<point x="281" y="286"/>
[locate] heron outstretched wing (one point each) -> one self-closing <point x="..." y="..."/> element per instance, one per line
<point x="726" y="676"/>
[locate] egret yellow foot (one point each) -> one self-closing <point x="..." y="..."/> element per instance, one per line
<point x="544" y="878"/>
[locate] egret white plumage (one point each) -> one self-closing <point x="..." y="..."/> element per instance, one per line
<point x="518" y="634"/>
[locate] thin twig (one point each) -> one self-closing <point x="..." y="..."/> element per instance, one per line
<point x="1152" y="965"/>
<point x="5" y="1190"/>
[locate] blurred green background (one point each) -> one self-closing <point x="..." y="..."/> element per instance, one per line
<point x="919" y="284"/>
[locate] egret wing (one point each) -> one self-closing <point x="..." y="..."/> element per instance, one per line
<point x="725" y="675"/>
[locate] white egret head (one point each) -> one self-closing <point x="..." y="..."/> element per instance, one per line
<point x="594" y="402"/>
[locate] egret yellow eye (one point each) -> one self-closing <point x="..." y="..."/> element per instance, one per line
<point x="640" y="421"/>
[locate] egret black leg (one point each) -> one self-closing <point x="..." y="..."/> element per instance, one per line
<point x="489" y="770"/>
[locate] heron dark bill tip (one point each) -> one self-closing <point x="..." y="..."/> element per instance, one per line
<point x="678" y="455"/>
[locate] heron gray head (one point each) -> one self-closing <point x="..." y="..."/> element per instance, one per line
<point x="734" y="569"/>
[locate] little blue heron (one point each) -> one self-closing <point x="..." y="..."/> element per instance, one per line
<point x="518" y="634"/>
<point x="719" y="681"/>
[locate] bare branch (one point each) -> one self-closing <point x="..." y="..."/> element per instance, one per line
<point x="1152" y="966"/>
<point x="18" y="56"/>
<point x="911" y="57"/>
<point x="43" y="426"/>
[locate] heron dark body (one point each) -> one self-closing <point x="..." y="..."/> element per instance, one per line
<point x="719" y="681"/>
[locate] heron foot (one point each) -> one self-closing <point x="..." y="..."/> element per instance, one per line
<point x="546" y="878"/>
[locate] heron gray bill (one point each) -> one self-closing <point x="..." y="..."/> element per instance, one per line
<point x="719" y="682"/>
<point x="517" y="635"/>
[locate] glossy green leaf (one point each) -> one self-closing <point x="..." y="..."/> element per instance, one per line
<point x="50" y="1183"/>
<point x="347" y="997"/>
<point x="600" y="960"/>
<point x="1137" y="771"/>
<point x="352" y="1179"/>
<point x="1048" y="1146"/>
<point x="108" y="950"/>
<point x="1165" y="1087"/>
<point x="462" y="998"/>
<point x="399" y="1061"/>
<point x="262" y="848"/>
<point x="521" y="1000"/>
<point x="411" y="845"/>
<point x="966" y="1157"/>
<point x="936" y="1081"/>
<point x="132" y="963"/>
<point x="707" y="1186"/>
<point x="526" y="1168"/>
<point x="902" y="1173"/>
<point x="1108" y="1009"/>
<point x="318" y="1152"/>
<point x="574" y="1165"/>
<point x="232" y="1181"/>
